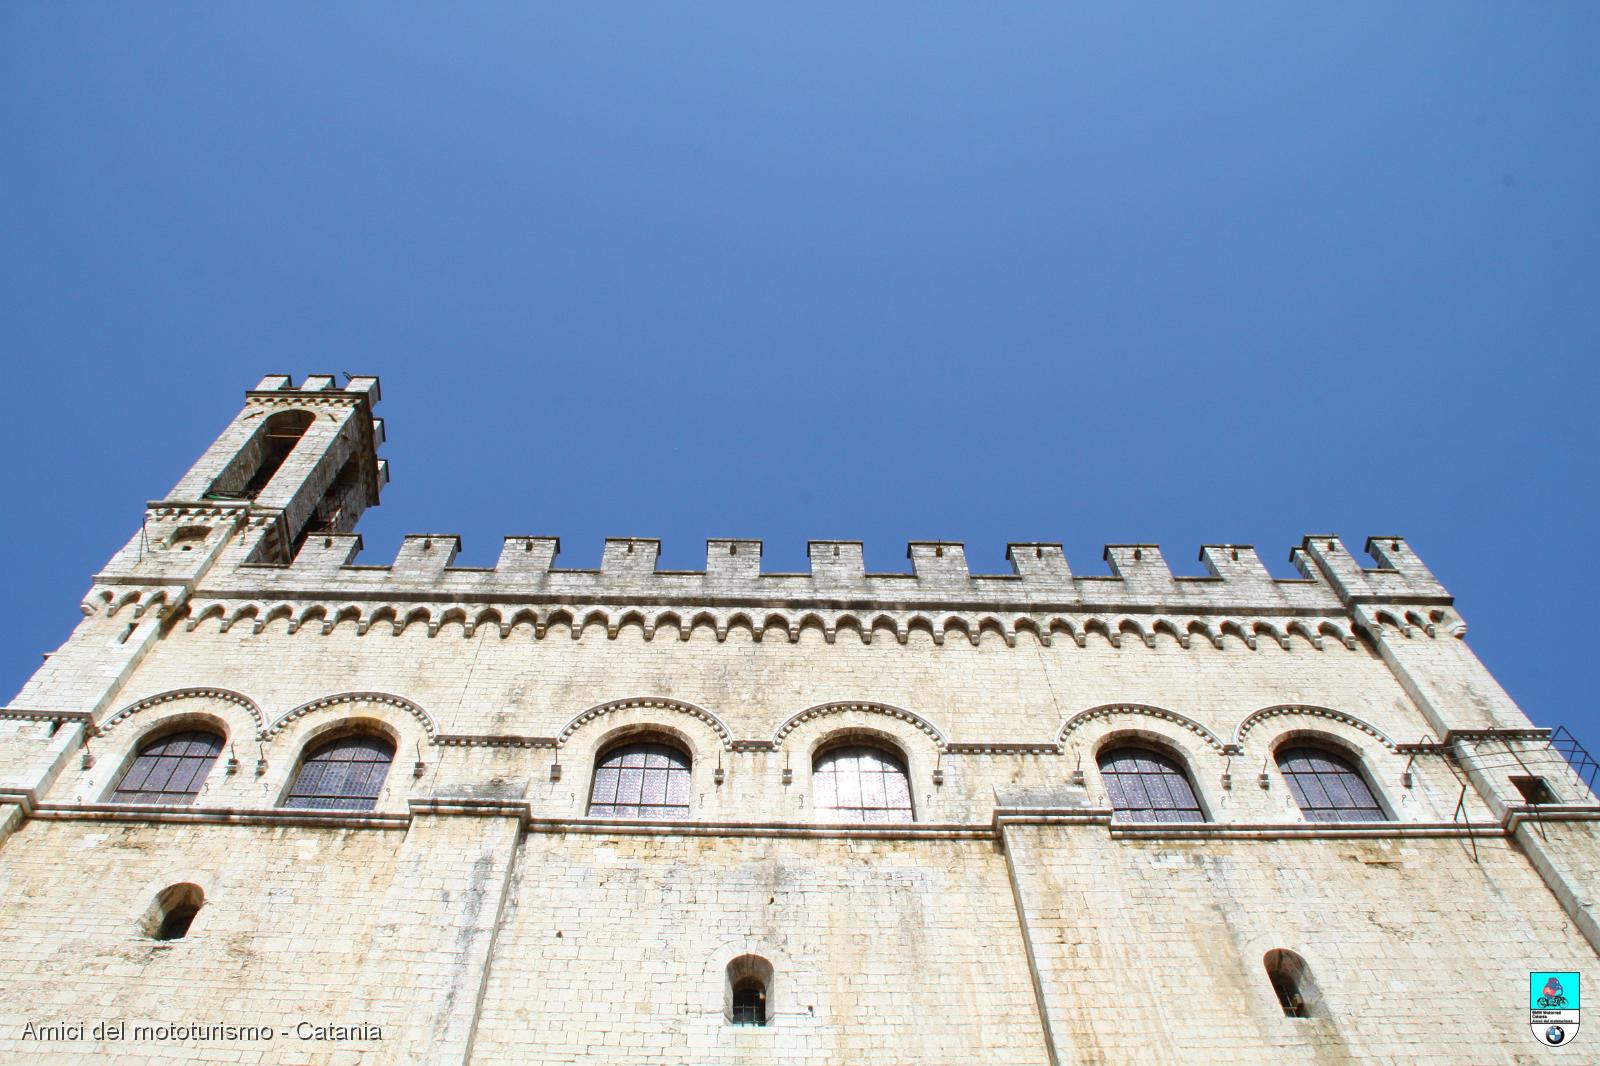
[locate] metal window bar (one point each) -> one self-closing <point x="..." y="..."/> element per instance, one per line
<point x="1577" y="758"/>
<point x="749" y="1003"/>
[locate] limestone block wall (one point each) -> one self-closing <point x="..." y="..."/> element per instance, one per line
<point x="1152" y="950"/>
<point x="615" y="950"/>
<point x="290" y="918"/>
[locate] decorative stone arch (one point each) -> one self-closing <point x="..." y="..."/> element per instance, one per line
<point x="214" y="695"/>
<point x="384" y="699"/>
<point x="916" y="743"/>
<point x="313" y="612"/>
<point x="213" y="609"/>
<point x="282" y="610"/>
<point x="302" y="732"/>
<point x="1110" y="710"/>
<point x="1254" y="718"/>
<point x="823" y="710"/>
<point x="647" y="703"/>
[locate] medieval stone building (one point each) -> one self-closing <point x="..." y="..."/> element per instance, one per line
<point x="271" y="804"/>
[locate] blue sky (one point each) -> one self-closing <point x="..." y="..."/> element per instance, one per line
<point x="1172" y="273"/>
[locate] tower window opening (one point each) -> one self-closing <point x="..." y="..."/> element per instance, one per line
<point x="254" y="467"/>
<point x="170" y="770"/>
<point x="1533" y="790"/>
<point x="862" y="783"/>
<point x="641" y="780"/>
<point x="1328" y="787"/>
<point x="344" y="774"/>
<point x="1146" y="786"/>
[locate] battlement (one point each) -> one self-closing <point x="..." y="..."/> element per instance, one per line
<point x="1041" y="579"/>
<point x="358" y="385"/>
<point x="269" y="515"/>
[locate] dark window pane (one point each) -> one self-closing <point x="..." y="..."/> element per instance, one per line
<point x="169" y="771"/>
<point x="1147" y="786"/>
<point x="344" y="774"/>
<point x="1328" y="788"/>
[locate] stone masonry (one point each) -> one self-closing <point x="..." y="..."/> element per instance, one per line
<point x="478" y="913"/>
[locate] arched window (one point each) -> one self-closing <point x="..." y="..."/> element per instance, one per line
<point x="1328" y="787"/>
<point x="255" y="464"/>
<point x="345" y="773"/>
<point x="1147" y="786"/>
<point x="1292" y="984"/>
<point x="748" y="990"/>
<point x="861" y="783"/>
<point x="641" y="780"/>
<point x="173" y="912"/>
<point x="170" y="770"/>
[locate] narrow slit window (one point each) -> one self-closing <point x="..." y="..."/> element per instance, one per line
<point x="170" y="771"/>
<point x="1291" y="983"/>
<point x="749" y="991"/>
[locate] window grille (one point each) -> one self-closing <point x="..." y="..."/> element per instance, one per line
<point x="171" y="770"/>
<point x="648" y="780"/>
<point x="344" y="774"/>
<point x="749" y="1002"/>
<point x="1146" y="786"/>
<point x="860" y="783"/>
<point x="1291" y="983"/>
<point x="1327" y="787"/>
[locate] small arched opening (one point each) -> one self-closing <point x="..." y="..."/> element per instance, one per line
<point x="173" y="911"/>
<point x="748" y="991"/>
<point x="1291" y="983"/>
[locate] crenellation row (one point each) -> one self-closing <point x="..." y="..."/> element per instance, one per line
<point x="1236" y="581"/>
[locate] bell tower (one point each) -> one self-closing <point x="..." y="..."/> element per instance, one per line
<point x="292" y="463"/>
<point x="298" y="461"/>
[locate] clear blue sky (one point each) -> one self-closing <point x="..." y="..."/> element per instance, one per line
<point x="982" y="272"/>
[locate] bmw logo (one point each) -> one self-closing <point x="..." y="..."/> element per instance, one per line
<point x="1554" y="1035"/>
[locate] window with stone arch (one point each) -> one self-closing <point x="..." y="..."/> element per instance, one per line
<point x="254" y="467"/>
<point x="641" y="778"/>
<point x="1327" y="786"/>
<point x="1146" y="785"/>
<point x="859" y="781"/>
<point x="342" y="774"/>
<point x="171" y="769"/>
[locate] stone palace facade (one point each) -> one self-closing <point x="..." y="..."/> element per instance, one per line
<point x="271" y="804"/>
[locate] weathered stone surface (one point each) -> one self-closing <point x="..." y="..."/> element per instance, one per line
<point x="478" y="914"/>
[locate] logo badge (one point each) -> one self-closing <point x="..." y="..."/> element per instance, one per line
<point x="1553" y="1001"/>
